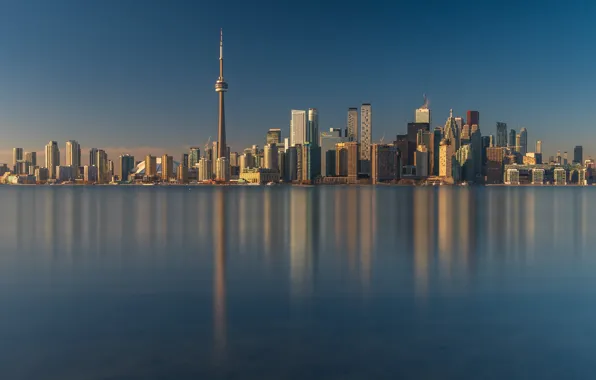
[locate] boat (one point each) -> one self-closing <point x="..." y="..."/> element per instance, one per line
<point x="271" y="184"/>
<point x="149" y="184"/>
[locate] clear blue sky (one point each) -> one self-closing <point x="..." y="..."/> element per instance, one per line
<point x="129" y="75"/>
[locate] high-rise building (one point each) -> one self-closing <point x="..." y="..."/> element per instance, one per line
<point x="494" y="164"/>
<point x="501" y="134"/>
<point x="73" y="154"/>
<point x="298" y="127"/>
<point x="405" y="149"/>
<point x="465" y="135"/>
<point x="102" y="166"/>
<point x="365" y="137"/>
<point x="512" y="143"/>
<point x="477" y="149"/>
<point x="271" y="157"/>
<point x="52" y="158"/>
<point x="327" y="143"/>
<point x="421" y="161"/>
<point x="539" y="146"/>
<point x="274" y="136"/>
<point x="353" y="161"/>
<point x="90" y="173"/>
<point x="437" y="136"/>
<point x="110" y="168"/>
<point x="291" y="165"/>
<point x="446" y="153"/>
<point x="423" y="113"/>
<point x="385" y="164"/>
<point x="578" y="154"/>
<point x="465" y="164"/>
<point x="184" y="160"/>
<point x="281" y="163"/>
<point x="167" y="167"/>
<point x="17" y="155"/>
<point x="459" y="122"/>
<point x="523" y="141"/>
<point x="413" y="129"/>
<point x="452" y="131"/>
<point x="31" y="158"/>
<point x="341" y="159"/>
<point x="221" y="86"/>
<point x="194" y="156"/>
<point x="93" y="157"/>
<point x="473" y="118"/>
<point x="312" y="131"/>
<point x="565" y="159"/>
<point x="205" y="170"/>
<point x="311" y="164"/>
<point x="234" y="159"/>
<point x="150" y="166"/>
<point x="352" y="130"/>
<point x="518" y="143"/>
<point x="127" y="165"/>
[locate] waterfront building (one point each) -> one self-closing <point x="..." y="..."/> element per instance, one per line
<point x="477" y="151"/>
<point x="260" y="175"/>
<point x="65" y="173"/>
<point x="150" y="166"/>
<point x="31" y="158"/>
<point x="281" y="163"/>
<point x="223" y="169"/>
<point x="167" y="167"/>
<point x="127" y="165"/>
<point x="311" y="163"/>
<point x="582" y="177"/>
<point x="42" y="174"/>
<point x="560" y="176"/>
<point x="102" y="166"/>
<point x="52" y="158"/>
<point x="539" y="146"/>
<point x="385" y="163"/>
<point x="291" y="165"/>
<point x="465" y="164"/>
<point x="365" y="137"/>
<point x="446" y="153"/>
<point x="341" y="160"/>
<point x="512" y="176"/>
<point x="537" y="176"/>
<point x="312" y="130"/>
<point x="495" y="157"/>
<point x="90" y="174"/>
<point x="93" y="157"/>
<point x="182" y="174"/>
<point x="194" y="156"/>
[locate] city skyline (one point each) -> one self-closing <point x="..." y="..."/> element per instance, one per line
<point x="92" y="97"/>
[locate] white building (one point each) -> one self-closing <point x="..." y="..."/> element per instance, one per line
<point x="205" y="169"/>
<point x="73" y="154"/>
<point x="298" y="127"/>
<point x="560" y="176"/>
<point x="312" y="133"/>
<point x="512" y="177"/>
<point x="537" y="176"/>
<point x="52" y="158"/>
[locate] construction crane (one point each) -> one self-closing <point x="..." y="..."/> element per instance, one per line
<point x="207" y="146"/>
<point x="382" y="138"/>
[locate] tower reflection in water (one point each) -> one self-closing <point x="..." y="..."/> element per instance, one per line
<point x="219" y="273"/>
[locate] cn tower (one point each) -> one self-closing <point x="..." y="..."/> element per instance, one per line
<point x="221" y="86"/>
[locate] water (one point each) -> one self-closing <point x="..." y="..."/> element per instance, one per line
<point x="295" y="283"/>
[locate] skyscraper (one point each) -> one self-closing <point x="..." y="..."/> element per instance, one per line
<point x="539" y="146"/>
<point x="473" y="118"/>
<point x="423" y="113"/>
<point x="270" y="156"/>
<point x="150" y="166"/>
<point x="512" y="141"/>
<point x="501" y="134"/>
<point x="523" y="141"/>
<point x="102" y="166"/>
<point x="194" y="156"/>
<point x="274" y="136"/>
<point x="312" y="132"/>
<point x="93" y="157"/>
<point x="31" y="158"/>
<point x="221" y="86"/>
<point x="127" y="165"/>
<point x="184" y="160"/>
<point x="297" y="127"/>
<point x="327" y="142"/>
<point x="451" y="132"/>
<point x="17" y="155"/>
<point x="352" y="134"/>
<point x="167" y="167"/>
<point x="52" y="158"/>
<point x="73" y="154"/>
<point x="385" y="163"/>
<point x="365" y="136"/>
<point x="578" y="155"/>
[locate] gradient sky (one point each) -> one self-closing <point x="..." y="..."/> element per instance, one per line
<point x="137" y="76"/>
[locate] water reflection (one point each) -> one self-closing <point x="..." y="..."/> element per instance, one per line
<point x="219" y="271"/>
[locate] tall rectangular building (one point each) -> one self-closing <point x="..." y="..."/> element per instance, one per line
<point x="578" y="155"/>
<point x="298" y="127"/>
<point x="385" y="165"/>
<point x="501" y="134"/>
<point x="312" y="131"/>
<point x="365" y="137"/>
<point x="93" y="157"/>
<point x="194" y="156"/>
<point x="352" y="130"/>
<point x="274" y="136"/>
<point x="73" y="154"/>
<point x="327" y="142"/>
<point x="423" y="115"/>
<point x="539" y="146"/>
<point x="150" y="166"/>
<point x="17" y="155"/>
<point x="52" y="158"/>
<point x="102" y="166"/>
<point x="127" y="165"/>
<point x="167" y="167"/>
<point x="271" y="157"/>
<point x="473" y="117"/>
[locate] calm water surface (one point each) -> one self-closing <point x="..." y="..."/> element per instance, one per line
<point x="297" y="283"/>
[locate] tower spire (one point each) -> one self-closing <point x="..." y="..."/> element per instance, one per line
<point x="221" y="43"/>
